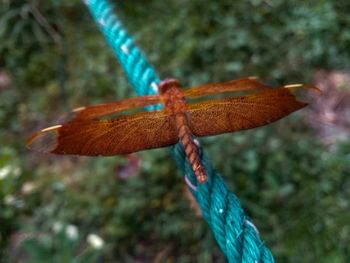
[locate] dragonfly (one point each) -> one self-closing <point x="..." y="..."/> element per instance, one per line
<point x="86" y="131"/>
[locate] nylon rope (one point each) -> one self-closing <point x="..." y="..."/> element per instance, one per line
<point x="235" y="233"/>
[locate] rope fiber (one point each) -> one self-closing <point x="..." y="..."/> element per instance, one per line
<point x="236" y="235"/>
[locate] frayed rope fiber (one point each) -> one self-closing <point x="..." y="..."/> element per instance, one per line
<point x="236" y="235"/>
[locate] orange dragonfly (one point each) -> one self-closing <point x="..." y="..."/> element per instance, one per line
<point x="86" y="131"/>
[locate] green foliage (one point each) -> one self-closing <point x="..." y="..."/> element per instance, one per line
<point x="62" y="246"/>
<point x="295" y="189"/>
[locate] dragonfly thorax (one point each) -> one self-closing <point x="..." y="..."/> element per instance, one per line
<point x="172" y="95"/>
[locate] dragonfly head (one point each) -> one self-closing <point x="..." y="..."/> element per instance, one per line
<point x="168" y="84"/>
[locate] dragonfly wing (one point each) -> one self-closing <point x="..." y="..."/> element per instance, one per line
<point x="241" y="113"/>
<point x="122" y="135"/>
<point x="100" y="110"/>
<point x="222" y="87"/>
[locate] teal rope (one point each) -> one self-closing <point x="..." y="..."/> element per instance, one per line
<point x="236" y="235"/>
<point x="140" y="73"/>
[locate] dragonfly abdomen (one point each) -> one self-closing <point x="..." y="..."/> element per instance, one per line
<point x="190" y="147"/>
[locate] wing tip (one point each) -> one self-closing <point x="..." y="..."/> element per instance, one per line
<point x="300" y="92"/>
<point x="45" y="140"/>
<point x="297" y="86"/>
<point x="79" y="109"/>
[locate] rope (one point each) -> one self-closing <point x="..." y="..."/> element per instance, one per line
<point x="140" y="73"/>
<point x="236" y="235"/>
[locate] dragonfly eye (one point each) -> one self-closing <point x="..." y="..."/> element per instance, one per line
<point x="167" y="84"/>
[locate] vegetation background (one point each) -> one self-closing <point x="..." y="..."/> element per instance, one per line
<point x="292" y="177"/>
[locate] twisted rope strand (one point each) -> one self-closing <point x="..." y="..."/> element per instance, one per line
<point x="236" y="235"/>
<point x="140" y="73"/>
